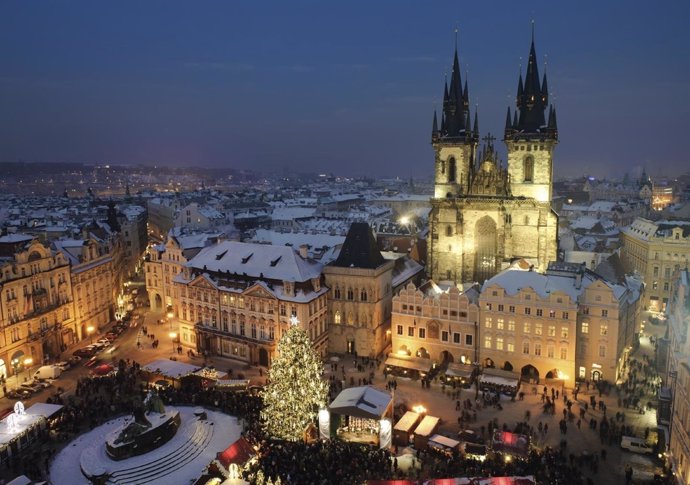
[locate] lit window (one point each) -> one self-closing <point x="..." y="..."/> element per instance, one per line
<point x="488" y="323"/>
<point x="487" y="341"/>
<point x="526" y="327"/>
<point x="511" y="347"/>
<point x="552" y="331"/>
<point x="499" y="323"/>
<point x="499" y="343"/>
<point x="338" y="317"/>
<point x="564" y="332"/>
<point x="537" y="328"/>
<point x="511" y="325"/>
<point x="585" y="327"/>
<point x="603" y="329"/>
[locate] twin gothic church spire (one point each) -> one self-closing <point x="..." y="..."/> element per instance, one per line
<point x="529" y="117"/>
<point x="456" y="120"/>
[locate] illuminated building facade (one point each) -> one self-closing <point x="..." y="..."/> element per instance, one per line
<point x="483" y="214"/>
<point x="655" y="250"/>
<point x="36" y="311"/>
<point x="567" y="323"/>
<point x="237" y="299"/>
<point x="434" y="323"/>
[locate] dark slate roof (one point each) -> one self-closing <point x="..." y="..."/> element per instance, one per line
<point x="359" y="249"/>
<point x="611" y="269"/>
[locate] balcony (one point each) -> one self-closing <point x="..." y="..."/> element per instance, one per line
<point x="209" y="329"/>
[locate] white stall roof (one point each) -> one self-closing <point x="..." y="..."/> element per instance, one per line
<point x="414" y="363"/>
<point x="459" y="370"/>
<point x="427" y="426"/>
<point x="444" y="441"/>
<point x="170" y="368"/>
<point x="361" y="402"/>
<point x="44" y="409"/>
<point x="407" y="421"/>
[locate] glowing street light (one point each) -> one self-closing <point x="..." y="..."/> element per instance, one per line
<point x="419" y="409"/>
<point x="173" y="336"/>
<point x="89" y="331"/>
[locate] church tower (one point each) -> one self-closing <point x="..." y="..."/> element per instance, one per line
<point x="530" y="137"/>
<point x="485" y="215"/>
<point x="454" y="142"/>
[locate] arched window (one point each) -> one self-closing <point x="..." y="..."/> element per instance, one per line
<point x="337" y="317"/>
<point x="336" y="293"/>
<point x="443" y="167"/>
<point x="350" y="294"/>
<point x="449" y="230"/>
<point x="529" y="168"/>
<point x="451" y="169"/>
<point x="363" y="295"/>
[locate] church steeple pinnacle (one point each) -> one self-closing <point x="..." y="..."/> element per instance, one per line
<point x="455" y="117"/>
<point x="532" y="101"/>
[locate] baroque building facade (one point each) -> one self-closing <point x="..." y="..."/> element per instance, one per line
<point x="656" y="250"/>
<point x="36" y="311"/>
<point x="237" y="299"/>
<point x="566" y="324"/>
<point x="483" y="215"/>
<point x="430" y="322"/>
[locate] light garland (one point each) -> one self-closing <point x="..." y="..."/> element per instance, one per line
<point x="296" y="390"/>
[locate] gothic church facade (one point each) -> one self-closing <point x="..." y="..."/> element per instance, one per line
<point x="484" y="215"/>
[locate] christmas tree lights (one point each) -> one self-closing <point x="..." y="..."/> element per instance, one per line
<point x="295" y="391"/>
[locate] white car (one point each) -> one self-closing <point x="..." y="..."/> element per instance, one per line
<point x="104" y="342"/>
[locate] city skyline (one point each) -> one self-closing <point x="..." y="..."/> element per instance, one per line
<point x="314" y="88"/>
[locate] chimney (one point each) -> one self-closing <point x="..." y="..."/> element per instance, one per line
<point x="304" y="251"/>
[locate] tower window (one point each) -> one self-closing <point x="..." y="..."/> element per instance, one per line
<point x="443" y="167"/>
<point x="451" y="169"/>
<point x="449" y="230"/>
<point x="529" y="168"/>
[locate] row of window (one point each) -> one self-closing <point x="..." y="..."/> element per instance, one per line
<point x="445" y="335"/>
<point x="499" y="344"/>
<point x="528" y="310"/>
<point x="445" y="312"/>
<point x="350" y="294"/>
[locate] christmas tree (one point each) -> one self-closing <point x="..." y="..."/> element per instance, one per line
<point x="295" y="391"/>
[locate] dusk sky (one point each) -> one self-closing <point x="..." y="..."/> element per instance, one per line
<point x="342" y="87"/>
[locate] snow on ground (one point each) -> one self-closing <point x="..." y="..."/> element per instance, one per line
<point x="225" y="430"/>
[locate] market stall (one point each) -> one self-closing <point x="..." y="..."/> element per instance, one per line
<point x="443" y="444"/>
<point x="424" y="431"/>
<point x="461" y="374"/>
<point x="501" y="381"/>
<point x="403" y="429"/>
<point x="407" y="366"/>
<point x="360" y="413"/>
<point x="513" y="444"/>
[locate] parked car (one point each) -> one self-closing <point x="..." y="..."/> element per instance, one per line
<point x="74" y="360"/>
<point x="34" y="386"/>
<point x="64" y="365"/>
<point x="47" y="372"/>
<point x="636" y="445"/>
<point x="103" y="370"/>
<point x="105" y="342"/>
<point x="19" y="393"/>
<point x="85" y="352"/>
<point x="42" y="384"/>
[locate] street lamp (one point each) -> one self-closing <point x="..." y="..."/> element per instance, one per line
<point x="89" y="331"/>
<point x="15" y="367"/>
<point x="173" y="336"/>
<point x="27" y="363"/>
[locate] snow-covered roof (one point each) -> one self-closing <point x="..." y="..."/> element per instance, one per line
<point x="273" y="262"/>
<point x="296" y="239"/>
<point x="292" y="213"/>
<point x="514" y="279"/>
<point x="361" y="402"/>
<point x="170" y="368"/>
